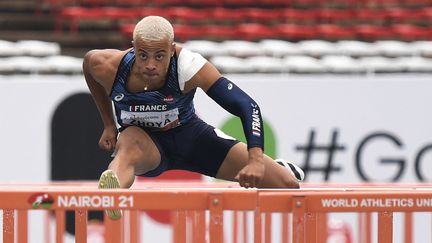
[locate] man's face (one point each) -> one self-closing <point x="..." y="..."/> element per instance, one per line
<point x="153" y="58"/>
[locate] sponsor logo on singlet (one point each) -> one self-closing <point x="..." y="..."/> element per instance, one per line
<point x="157" y="107"/>
<point x="151" y="116"/>
<point x="119" y="97"/>
<point x="168" y="99"/>
<point x="256" y="122"/>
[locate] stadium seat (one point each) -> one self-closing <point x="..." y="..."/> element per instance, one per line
<point x="302" y="64"/>
<point x="299" y="16"/>
<point x="186" y="15"/>
<point x="422" y="48"/>
<point x="188" y="32"/>
<point x="74" y="14"/>
<point x="256" y="32"/>
<point x="335" y="16"/>
<point x="221" y="32"/>
<point x="380" y="64"/>
<point x="8" y="48"/>
<point x="369" y="16"/>
<point x="205" y="47"/>
<point x="408" y="32"/>
<point x="240" y="48"/>
<point x="334" y="32"/>
<point x="261" y="15"/>
<point x="416" y="64"/>
<point x="401" y="15"/>
<point x="58" y="64"/>
<point x="279" y="48"/>
<point x="265" y="64"/>
<point x="394" y="48"/>
<point x="341" y="64"/>
<point x="226" y="16"/>
<point x="230" y="64"/>
<point x="295" y="32"/>
<point x="38" y="48"/>
<point x="317" y="48"/>
<point x="356" y="48"/>
<point x="371" y="32"/>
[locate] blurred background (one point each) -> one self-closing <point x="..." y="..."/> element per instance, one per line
<point x="344" y="86"/>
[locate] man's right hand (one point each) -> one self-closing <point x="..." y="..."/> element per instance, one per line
<point x="109" y="138"/>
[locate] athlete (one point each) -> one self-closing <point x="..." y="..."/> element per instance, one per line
<point x="152" y="87"/>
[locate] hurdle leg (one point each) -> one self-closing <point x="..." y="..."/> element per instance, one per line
<point x="216" y="218"/>
<point x="134" y="226"/>
<point x="81" y="226"/>
<point x="267" y="228"/>
<point x="60" y="225"/>
<point x="285" y="229"/>
<point x="113" y="230"/>
<point x="321" y="228"/>
<point x="179" y="226"/>
<point x="408" y="227"/>
<point x="199" y="226"/>
<point x="22" y="225"/>
<point x="385" y="227"/>
<point x="298" y="220"/>
<point x="8" y="226"/>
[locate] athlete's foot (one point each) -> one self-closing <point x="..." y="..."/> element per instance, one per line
<point x="295" y="170"/>
<point x="109" y="180"/>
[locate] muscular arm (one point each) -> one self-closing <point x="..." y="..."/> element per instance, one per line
<point x="208" y="78"/>
<point x="99" y="69"/>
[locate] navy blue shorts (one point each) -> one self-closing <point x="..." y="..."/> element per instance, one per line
<point x="195" y="146"/>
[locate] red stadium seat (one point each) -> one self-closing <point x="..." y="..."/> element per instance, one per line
<point x="295" y="32"/>
<point x="221" y="32"/>
<point x="183" y="33"/>
<point x="400" y="15"/>
<point x="74" y="14"/>
<point x="275" y="3"/>
<point x="299" y="16"/>
<point x="262" y="15"/>
<point x="334" y="32"/>
<point x="408" y="32"/>
<point x="253" y="32"/>
<point x="334" y="16"/>
<point x="369" y="16"/>
<point x="188" y="15"/>
<point x="226" y="15"/>
<point x="371" y="32"/>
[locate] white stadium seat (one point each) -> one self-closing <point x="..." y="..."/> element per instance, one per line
<point x="229" y="64"/>
<point x="279" y="48"/>
<point x="205" y="47"/>
<point x="239" y="48"/>
<point x="63" y="64"/>
<point x="38" y="48"/>
<point x="302" y="64"/>
<point x="8" y="48"/>
<point x="393" y="48"/>
<point x="265" y="64"/>
<point x="381" y="64"/>
<point x="356" y="48"/>
<point x="342" y="64"/>
<point x="317" y="48"/>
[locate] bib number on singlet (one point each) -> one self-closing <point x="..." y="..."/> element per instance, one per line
<point x="159" y="119"/>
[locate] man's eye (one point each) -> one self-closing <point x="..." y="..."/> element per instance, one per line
<point x="159" y="57"/>
<point x="143" y="56"/>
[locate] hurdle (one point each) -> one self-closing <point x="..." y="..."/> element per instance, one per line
<point x="198" y="209"/>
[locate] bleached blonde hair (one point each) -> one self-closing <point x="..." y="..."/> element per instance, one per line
<point x="153" y="28"/>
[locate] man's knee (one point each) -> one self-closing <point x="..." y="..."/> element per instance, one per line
<point x="137" y="149"/>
